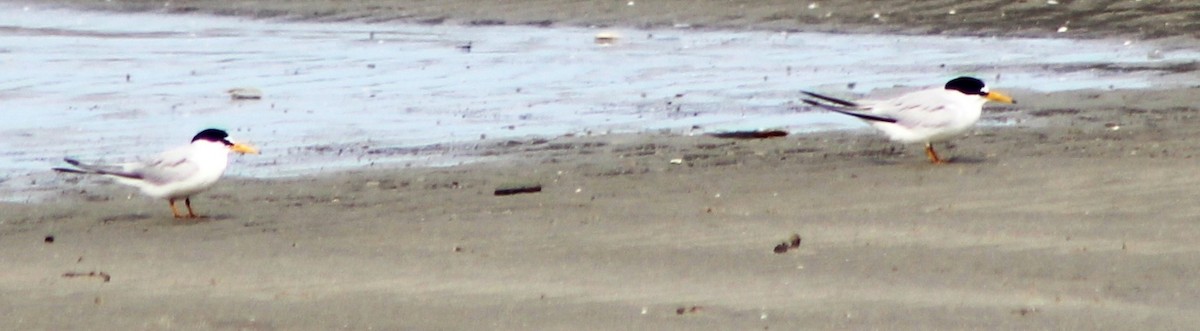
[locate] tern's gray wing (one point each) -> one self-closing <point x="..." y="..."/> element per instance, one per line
<point x="170" y="166"/>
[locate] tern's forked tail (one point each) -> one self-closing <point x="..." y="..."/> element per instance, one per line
<point x="84" y="168"/>
<point x="841" y="102"/>
<point x="843" y="107"/>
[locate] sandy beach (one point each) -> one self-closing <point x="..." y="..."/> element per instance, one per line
<point x="1077" y="216"/>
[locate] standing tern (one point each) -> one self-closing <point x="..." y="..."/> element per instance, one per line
<point x="175" y="174"/>
<point x="928" y="116"/>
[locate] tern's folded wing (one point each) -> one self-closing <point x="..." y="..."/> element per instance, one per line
<point x="931" y="108"/>
<point x="171" y="166"/>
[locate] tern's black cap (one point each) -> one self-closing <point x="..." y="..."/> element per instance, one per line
<point x="967" y="85"/>
<point x="212" y="135"/>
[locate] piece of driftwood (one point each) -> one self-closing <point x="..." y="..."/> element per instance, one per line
<point x="518" y="188"/>
<point x="763" y="134"/>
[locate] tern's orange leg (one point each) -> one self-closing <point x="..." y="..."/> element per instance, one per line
<point x="173" y="210"/>
<point x="933" y="157"/>
<point x="188" y="202"/>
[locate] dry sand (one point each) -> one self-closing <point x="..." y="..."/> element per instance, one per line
<point x="1081" y="216"/>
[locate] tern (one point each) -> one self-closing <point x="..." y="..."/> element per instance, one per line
<point x="175" y="174"/>
<point x="928" y="116"/>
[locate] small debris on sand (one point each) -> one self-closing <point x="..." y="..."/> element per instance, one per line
<point x="688" y="310"/>
<point x="793" y="242"/>
<point x="97" y="274"/>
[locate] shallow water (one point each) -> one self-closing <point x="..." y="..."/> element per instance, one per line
<point x="113" y="87"/>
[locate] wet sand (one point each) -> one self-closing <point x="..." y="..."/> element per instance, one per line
<point x="1090" y="19"/>
<point x="1077" y="216"/>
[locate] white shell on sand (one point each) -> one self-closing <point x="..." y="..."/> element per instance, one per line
<point x="607" y="38"/>
<point x="245" y="93"/>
